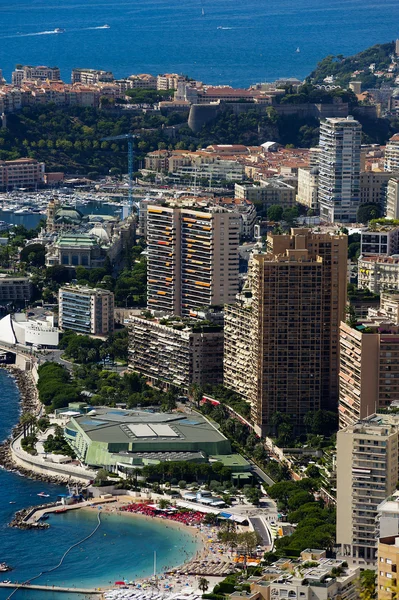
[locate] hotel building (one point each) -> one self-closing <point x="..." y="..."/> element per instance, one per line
<point x="192" y="258"/>
<point x="339" y="169"/>
<point x="86" y="310"/>
<point x="22" y="172"/>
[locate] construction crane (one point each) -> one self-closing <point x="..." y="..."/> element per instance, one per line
<point x="129" y="138"/>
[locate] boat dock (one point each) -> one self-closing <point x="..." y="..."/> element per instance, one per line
<point x="52" y="588"/>
<point x="35" y="515"/>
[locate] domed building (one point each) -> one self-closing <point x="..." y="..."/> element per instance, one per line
<point x="62" y="217"/>
<point x="101" y="234"/>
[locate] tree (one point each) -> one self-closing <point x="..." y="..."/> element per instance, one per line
<point x="163" y="503"/>
<point x="102" y="476"/>
<point x="367" y="585"/>
<point x="366" y="212"/>
<point x="203" y="584"/>
<point x="275" y="212"/>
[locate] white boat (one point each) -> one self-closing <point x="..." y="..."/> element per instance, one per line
<point x="105" y="27"/>
<point x="43" y="495"/>
<point x="59" y="30"/>
<point x="298" y="49"/>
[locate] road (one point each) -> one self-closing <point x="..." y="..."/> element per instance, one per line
<point x="262" y="530"/>
<point x="263" y="476"/>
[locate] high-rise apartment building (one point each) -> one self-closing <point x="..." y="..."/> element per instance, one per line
<point x="369" y="362"/>
<point x="170" y="352"/>
<point x="393" y="199"/>
<point x="192" y="258"/>
<point x="392" y="154"/>
<point x="339" y="169"/>
<point x="86" y="310"/>
<point x="308" y="187"/>
<point x="367" y="472"/>
<point x="287" y="357"/>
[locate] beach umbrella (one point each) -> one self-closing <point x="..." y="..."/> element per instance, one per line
<point x="119" y="583"/>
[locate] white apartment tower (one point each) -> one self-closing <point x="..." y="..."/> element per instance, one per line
<point x="392" y="154"/>
<point x="192" y="258"/>
<point x="339" y="169"/>
<point x="367" y="473"/>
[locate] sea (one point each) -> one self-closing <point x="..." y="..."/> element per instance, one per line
<point x="236" y="42"/>
<point x="121" y="549"/>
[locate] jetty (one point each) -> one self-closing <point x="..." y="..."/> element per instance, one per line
<point x="35" y="515"/>
<point x="52" y="588"/>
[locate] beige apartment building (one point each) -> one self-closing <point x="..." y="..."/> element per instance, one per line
<point x="308" y="186"/>
<point x="369" y="363"/>
<point x="91" y="76"/>
<point x="22" y="172"/>
<point x="238" y="365"/>
<point x="367" y="472"/>
<point x="387" y="567"/>
<point x="373" y="187"/>
<point x="192" y="258"/>
<point x="268" y="193"/>
<point x="287" y="356"/>
<point x="86" y="310"/>
<point x="172" y="352"/>
<point x="378" y="273"/>
<point x="29" y="73"/>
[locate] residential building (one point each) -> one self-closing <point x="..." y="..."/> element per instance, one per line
<point x="392" y="154"/>
<point x="339" y="169"/>
<point x="192" y="258"/>
<point x="308" y="188"/>
<point x="288" y="359"/>
<point x="272" y="191"/>
<point x="387" y="567"/>
<point x="14" y="289"/>
<point x="378" y="272"/>
<point x="373" y="187"/>
<point x="369" y="362"/>
<point x="142" y="81"/>
<point x="27" y="73"/>
<point x="91" y="76"/>
<point x="86" y="310"/>
<point x="169" y="81"/>
<point x="393" y="199"/>
<point x="238" y="365"/>
<point x="387" y="522"/>
<point x="381" y="238"/>
<point x="310" y="577"/>
<point x="171" y="352"/>
<point x="367" y="473"/>
<point x="22" y="172"/>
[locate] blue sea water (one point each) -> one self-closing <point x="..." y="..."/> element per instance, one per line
<point x="122" y="548"/>
<point x="156" y="36"/>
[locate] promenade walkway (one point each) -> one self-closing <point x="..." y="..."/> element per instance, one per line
<point x="35" y="516"/>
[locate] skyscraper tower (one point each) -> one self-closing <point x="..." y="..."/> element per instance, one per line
<point x="339" y="169"/>
<point x="192" y="258"/>
<point x="282" y="345"/>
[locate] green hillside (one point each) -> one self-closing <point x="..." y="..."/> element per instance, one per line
<point x="343" y="67"/>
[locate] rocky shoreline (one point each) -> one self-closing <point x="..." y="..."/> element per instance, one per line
<point x="29" y="403"/>
<point x="20" y="516"/>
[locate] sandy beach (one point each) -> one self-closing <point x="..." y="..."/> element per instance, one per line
<point x="213" y="560"/>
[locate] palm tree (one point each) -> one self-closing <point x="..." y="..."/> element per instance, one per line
<point x="203" y="584"/>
